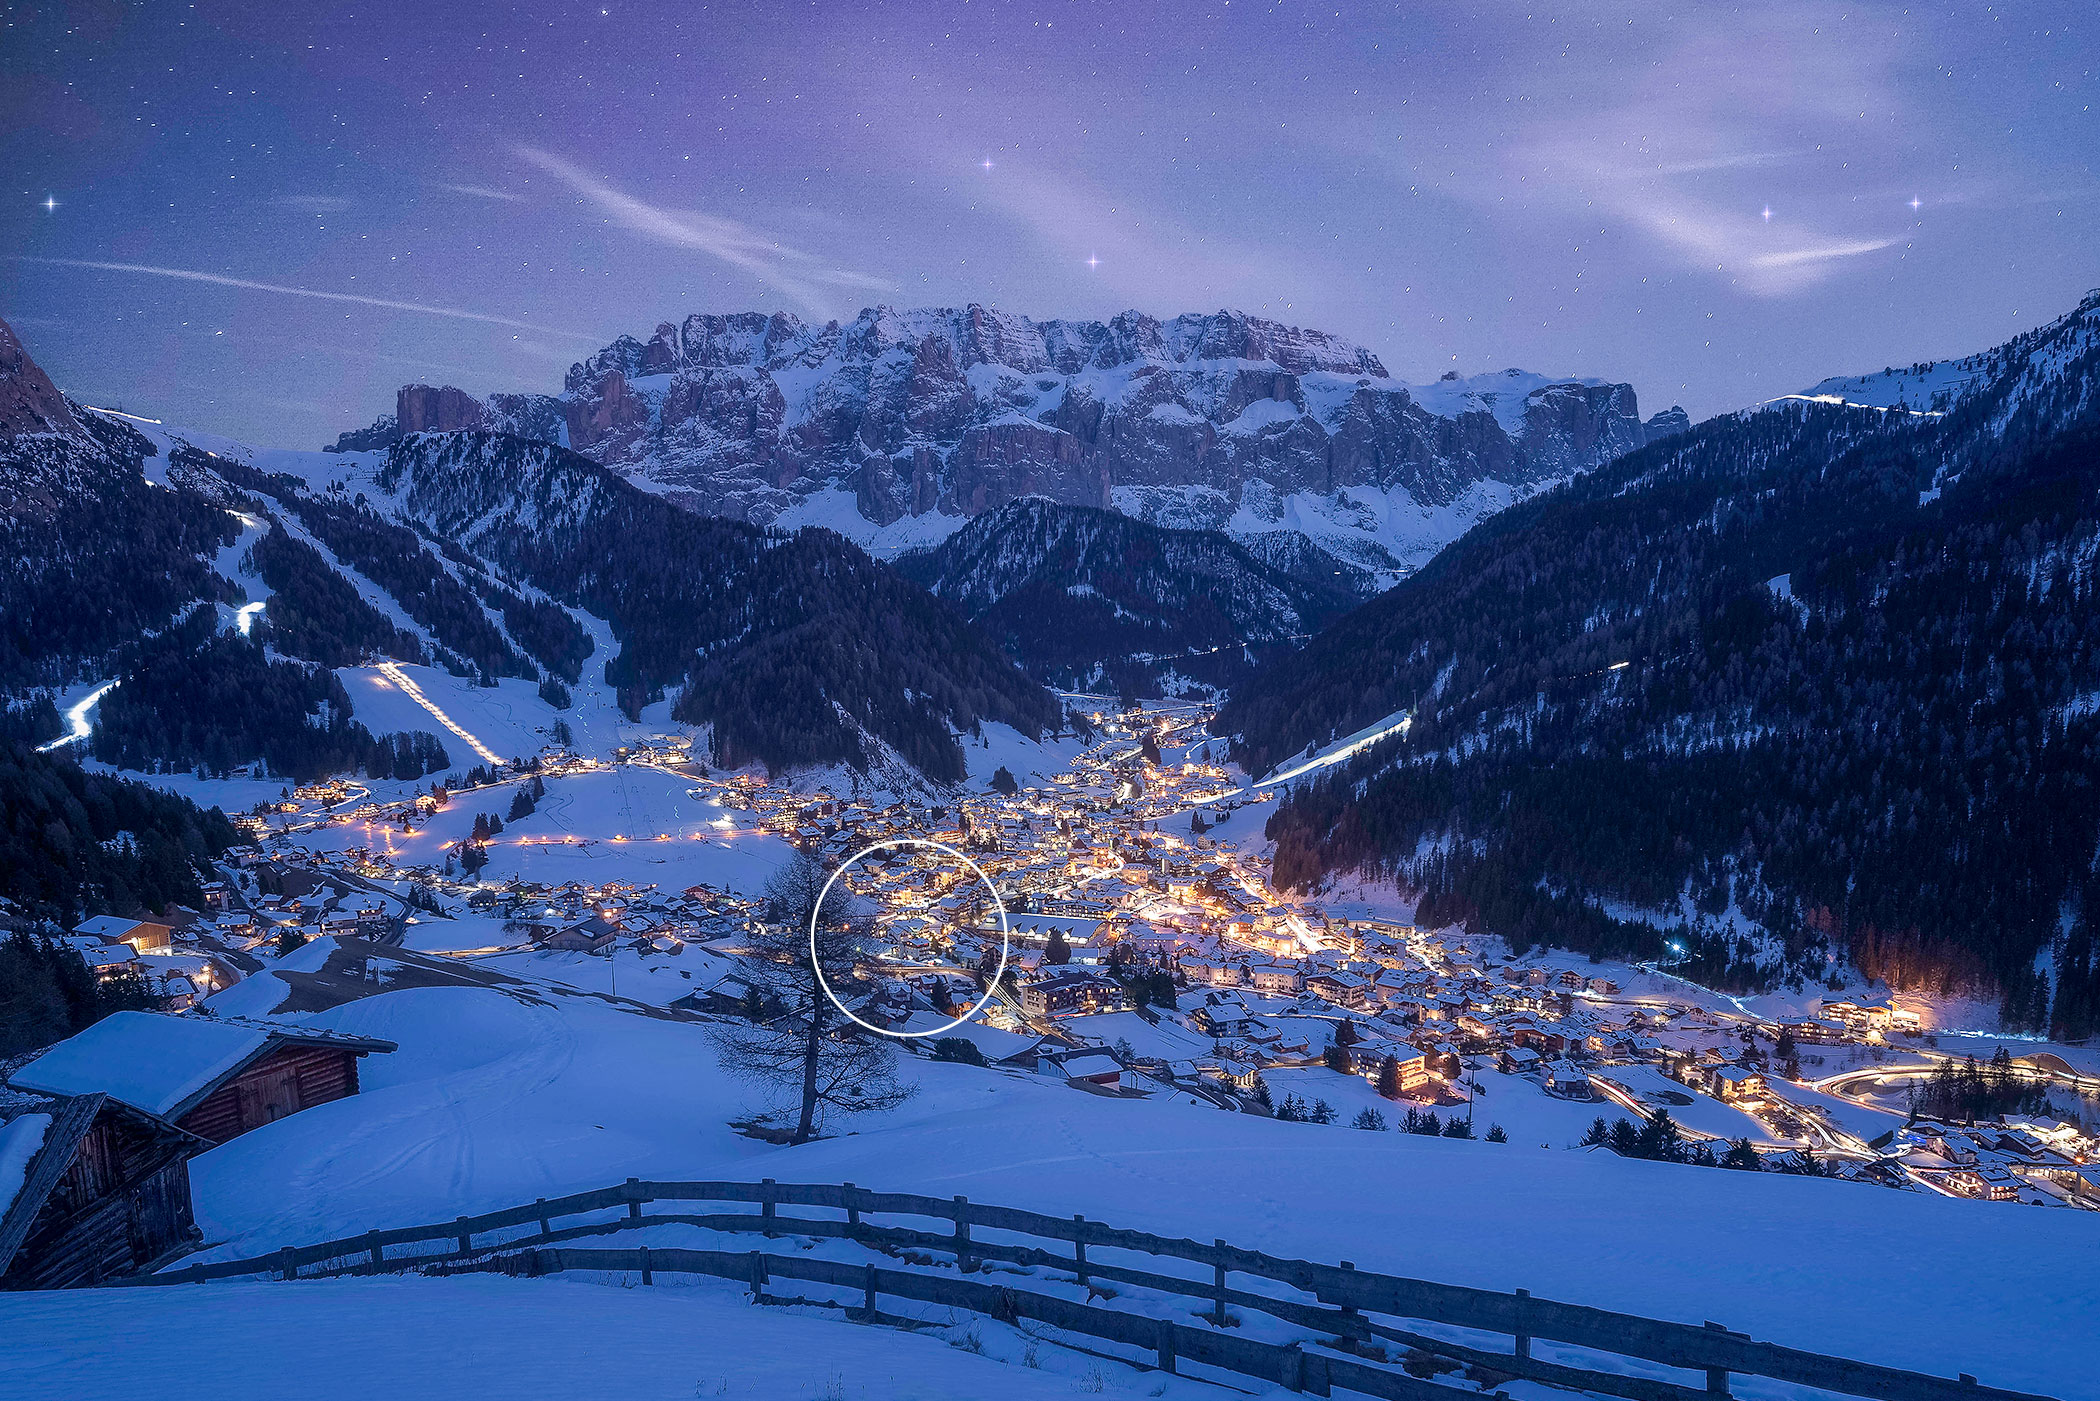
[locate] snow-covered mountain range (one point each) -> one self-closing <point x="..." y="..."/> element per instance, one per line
<point x="900" y="425"/>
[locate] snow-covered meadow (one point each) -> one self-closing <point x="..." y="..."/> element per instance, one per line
<point x="497" y="1098"/>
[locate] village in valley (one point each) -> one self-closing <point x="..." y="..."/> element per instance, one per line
<point x="1136" y="949"/>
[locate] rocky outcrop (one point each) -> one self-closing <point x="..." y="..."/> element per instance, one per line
<point x="29" y="402"/>
<point x="962" y="410"/>
<point x="421" y="408"/>
<point x="384" y="433"/>
<point x="1671" y="420"/>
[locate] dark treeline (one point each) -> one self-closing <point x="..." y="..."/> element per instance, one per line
<point x="1074" y="593"/>
<point x="1886" y="755"/>
<point x="392" y="556"/>
<point x="63" y="845"/>
<point x="1975" y="1090"/>
<point x="96" y="554"/>
<point x="771" y="636"/>
<point x="316" y="613"/>
<point x="546" y="630"/>
<point x="31" y="721"/>
<point x="48" y="992"/>
<point x="212" y="700"/>
<point x="406" y="754"/>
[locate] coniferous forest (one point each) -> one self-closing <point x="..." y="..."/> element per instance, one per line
<point x="1796" y="688"/>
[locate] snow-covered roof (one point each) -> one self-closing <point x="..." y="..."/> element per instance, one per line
<point x="20" y="1138"/>
<point x="161" y="1064"/>
<point x="110" y="927"/>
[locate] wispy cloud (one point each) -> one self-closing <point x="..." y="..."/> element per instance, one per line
<point x="481" y="192"/>
<point x="1142" y="256"/>
<point x="1719" y="125"/>
<point x="249" y="284"/>
<point x="801" y="277"/>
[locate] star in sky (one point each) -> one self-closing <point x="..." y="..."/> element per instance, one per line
<point x="1093" y="261"/>
<point x="1768" y="214"/>
<point x="987" y="162"/>
<point x="49" y="204"/>
<point x="1915" y="202"/>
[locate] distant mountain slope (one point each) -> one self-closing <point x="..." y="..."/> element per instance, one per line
<point x="897" y="426"/>
<point x="1820" y="679"/>
<point x="797" y="649"/>
<point x="1087" y="598"/>
<point x="488" y="554"/>
<point x="96" y="553"/>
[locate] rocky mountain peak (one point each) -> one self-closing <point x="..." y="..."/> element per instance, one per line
<point x="916" y="418"/>
<point x="29" y="402"/>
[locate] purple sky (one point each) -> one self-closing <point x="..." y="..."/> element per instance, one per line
<point x="1713" y="202"/>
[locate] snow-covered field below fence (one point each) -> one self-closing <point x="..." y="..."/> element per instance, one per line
<point x="497" y="1098"/>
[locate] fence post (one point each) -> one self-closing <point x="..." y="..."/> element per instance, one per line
<point x="765" y="1205"/>
<point x="1352" y="1321"/>
<point x="285" y="1268"/>
<point x="1165" y="1345"/>
<point x="546" y="1225"/>
<point x="634" y="1198"/>
<point x="648" y="1277"/>
<point x="465" y="1235"/>
<point x="1313" y="1377"/>
<point x="962" y="1236"/>
<point x="1293" y="1369"/>
<point x="1716" y="1377"/>
<point x="758" y="1275"/>
<point x="1079" y="1248"/>
<point x="1218" y="1282"/>
<point x="377" y="1250"/>
<point x="868" y="1292"/>
<point x="852" y="1207"/>
<point x="1523" y="1319"/>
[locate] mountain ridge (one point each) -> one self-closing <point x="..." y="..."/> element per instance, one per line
<point x="1805" y="683"/>
<point x="900" y="424"/>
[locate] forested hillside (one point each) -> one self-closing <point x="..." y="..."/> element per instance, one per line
<point x="1091" y="599"/>
<point x="1813" y="683"/>
<point x="795" y="649"/>
<point x="72" y="843"/>
<point x="96" y="553"/>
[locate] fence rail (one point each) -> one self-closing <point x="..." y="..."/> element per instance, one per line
<point x="1339" y="1302"/>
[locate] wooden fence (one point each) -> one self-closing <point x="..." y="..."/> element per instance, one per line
<point x="1340" y="1303"/>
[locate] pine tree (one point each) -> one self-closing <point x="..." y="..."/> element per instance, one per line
<point x="1321" y="1113"/>
<point x="1337" y="1058"/>
<point x="1599" y="1134"/>
<point x="1389" y="1077"/>
<point x="1625" y="1139"/>
<point x="1660" y="1140"/>
<point x="1458" y="1128"/>
<point x="1368" y="1119"/>
<point x="1496" y="1135"/>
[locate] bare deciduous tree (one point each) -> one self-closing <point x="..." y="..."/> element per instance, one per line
<point x="808" y="1047"/>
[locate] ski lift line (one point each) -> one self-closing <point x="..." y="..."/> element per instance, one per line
<point x="393" y="672"/>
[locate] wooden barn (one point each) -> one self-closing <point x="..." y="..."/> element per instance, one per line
<point x="213" y="1077"/>
<point x="90" y="1190"/>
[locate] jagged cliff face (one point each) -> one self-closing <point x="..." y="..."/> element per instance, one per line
<point x="959" y="411"/>
<point x="29" y="403"/>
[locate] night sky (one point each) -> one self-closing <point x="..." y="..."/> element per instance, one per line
<point x="1717" y="203"/>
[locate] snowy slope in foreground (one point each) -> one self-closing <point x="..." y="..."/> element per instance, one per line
<point x="525" y="1340"/>
<point x="494" y="1100"/>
